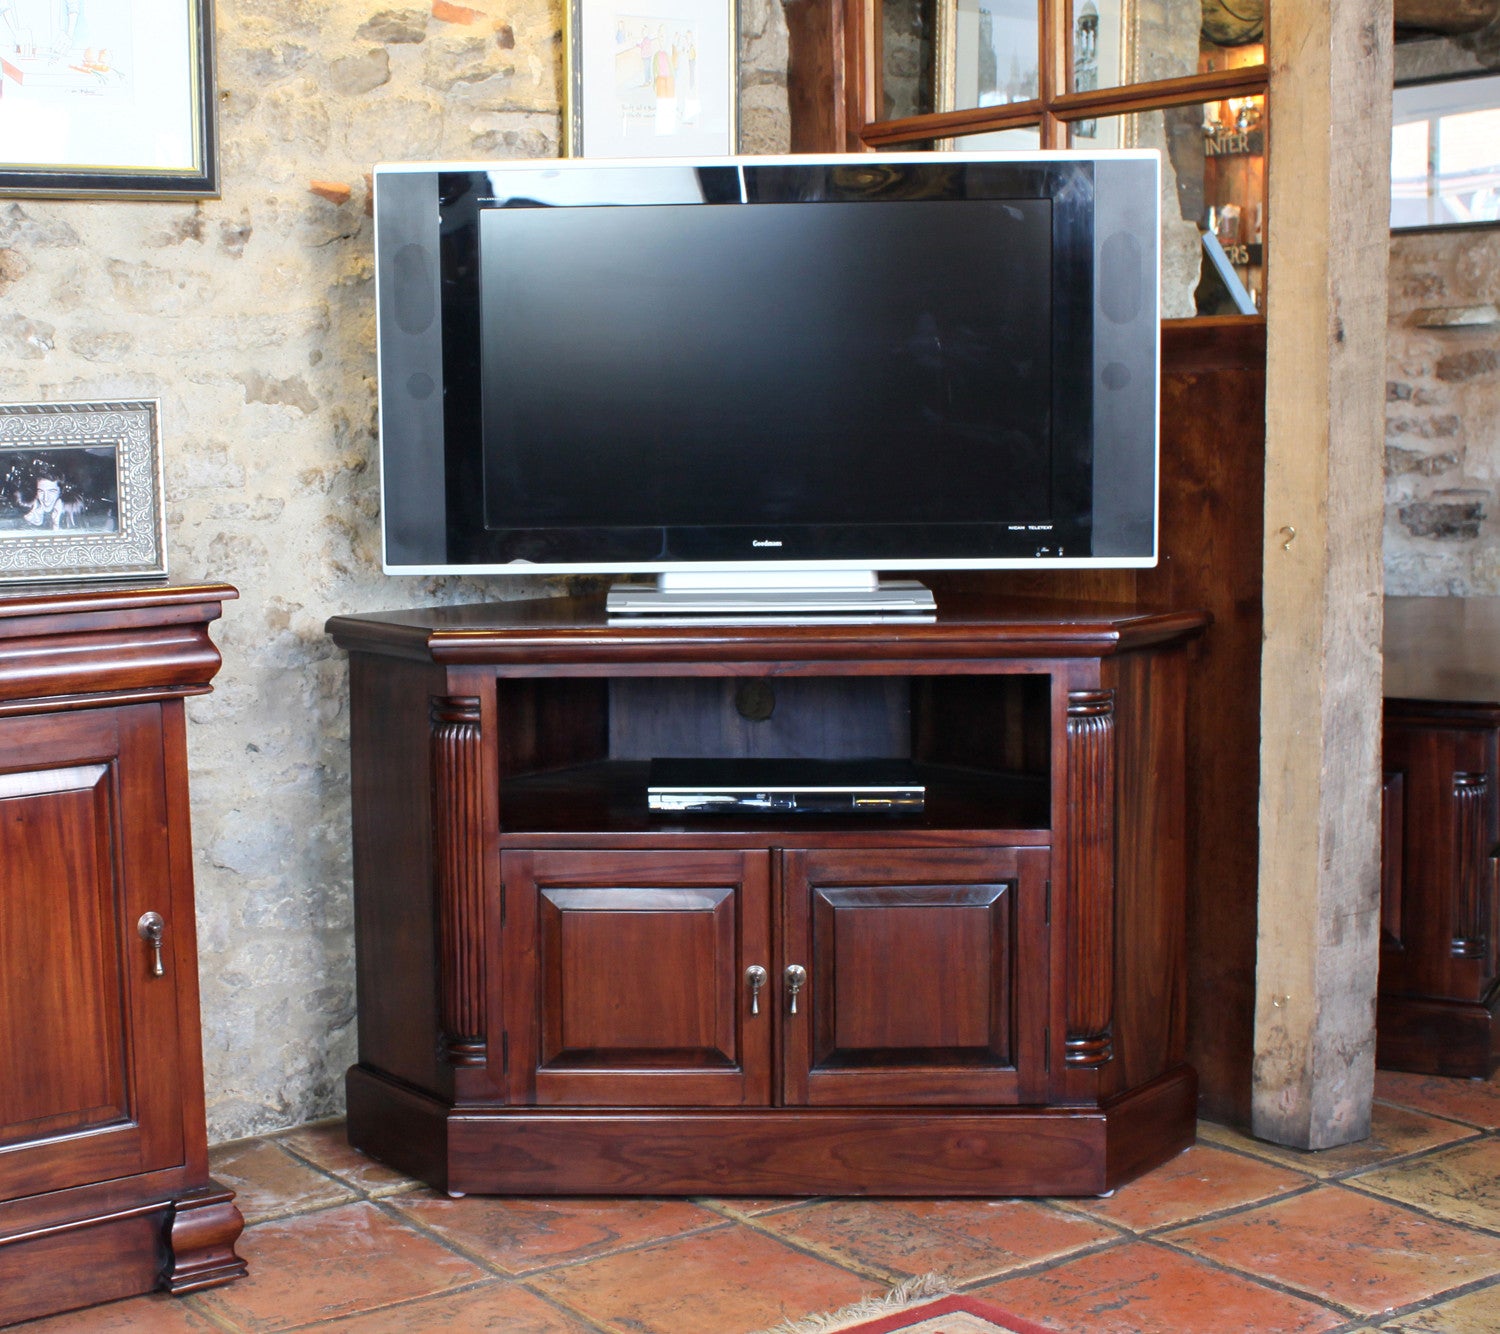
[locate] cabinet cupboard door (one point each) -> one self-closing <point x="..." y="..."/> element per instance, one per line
<point x="88" y="1035"/>
<point x="627" y="977"/>
<point x="926" y="976"/>
<point x="1440" y="896"/>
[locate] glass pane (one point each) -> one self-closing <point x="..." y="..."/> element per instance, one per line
<point x="1117" y="42"/>
<point x="1213" y="199"/>
<point x="907" y="61"/>
<point x="949" y="55"/>
<point x="1445" y="153"/>
<point x="988" y="52"/>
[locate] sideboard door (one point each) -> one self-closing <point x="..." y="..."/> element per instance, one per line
<point x="630" y="978"/>
<point x="922" y="976"/>
<point x="88" y="1025"/>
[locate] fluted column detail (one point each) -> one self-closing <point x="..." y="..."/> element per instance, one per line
<point x="457" y="822"/>
<point x="1471" y="871"/>
<point x="1089" y="1040"/>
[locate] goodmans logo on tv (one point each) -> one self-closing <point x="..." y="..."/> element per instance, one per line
<point x="765" y="542"/>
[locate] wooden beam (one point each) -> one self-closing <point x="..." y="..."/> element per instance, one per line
<point x="816" y="73"/>
<point x="1317" y="955"/>
<point x="1446" y="16"/>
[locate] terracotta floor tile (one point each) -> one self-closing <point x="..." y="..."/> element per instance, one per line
<point x="730" y="1281"/>
<point x="1365" y="1254"/>
<point x="327" y="1146"/>
<point x="523" y="1235"/>
<point x="963" y="1240"/>
<point x="331" y="1263"/>
<point x="153" y="1314"/>
<point x="268" y="1182"/>
<point x="1139" y="1287"/>
<point x="495" y="1308"/>
<point x="1476" y="1101"/>
<point x="1461" y="1184"/>
<point x="1474" y="1313"/>
<point x="1394" y="1133"/>
<point x="751" y="1208"/>
<point x="1202" y="1180"/>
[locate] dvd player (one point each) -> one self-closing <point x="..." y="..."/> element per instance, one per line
<point x="785" y="786"/>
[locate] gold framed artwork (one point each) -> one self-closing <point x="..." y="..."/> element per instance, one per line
<point x="107" y="99"/>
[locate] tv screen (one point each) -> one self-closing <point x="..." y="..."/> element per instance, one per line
<point x="768" y="364"/>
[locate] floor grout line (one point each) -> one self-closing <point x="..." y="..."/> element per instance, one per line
<point x="725" y="1216"/>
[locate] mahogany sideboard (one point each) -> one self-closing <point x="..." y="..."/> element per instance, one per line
<point x="104" y="1184"/>
<point x="1439" y="989"/>
<point x="561" y="992"/>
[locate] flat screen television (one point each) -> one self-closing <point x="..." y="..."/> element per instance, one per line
<point x="768" y="372"/>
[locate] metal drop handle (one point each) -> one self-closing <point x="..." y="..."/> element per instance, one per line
<point x="796" y="979"/>
<point x="151" y="929"/>
<point x="756" y="976"/>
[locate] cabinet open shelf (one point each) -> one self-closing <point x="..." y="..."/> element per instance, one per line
<point x="609" y="798"/>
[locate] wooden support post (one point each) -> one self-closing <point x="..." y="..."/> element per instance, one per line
<point x="1328" y="212"/>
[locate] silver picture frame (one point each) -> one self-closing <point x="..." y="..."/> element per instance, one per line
<point x="81" y="492"/>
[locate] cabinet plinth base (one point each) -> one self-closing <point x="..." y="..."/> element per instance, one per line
<point x="1426" y="1036"/>
<point x="780" y="1151"/>
<point x="178" y="1246"/>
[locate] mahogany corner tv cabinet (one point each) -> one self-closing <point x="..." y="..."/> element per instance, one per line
<point x="564" y="992"/>
<point x="104" y="1183"/>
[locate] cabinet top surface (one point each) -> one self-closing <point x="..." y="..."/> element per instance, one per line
<point x="575" y="629"/>
<point x="69" y="599"/>
<point x="1443" y="649"/>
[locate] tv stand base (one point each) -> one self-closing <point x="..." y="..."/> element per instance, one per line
<point x="810" y="599"/>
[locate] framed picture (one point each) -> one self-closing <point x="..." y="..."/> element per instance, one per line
<point x="107" y="99"/>
<point x="651" y="78"/>
<point x="80" y="492"/>
<point x="1445" y="153"/>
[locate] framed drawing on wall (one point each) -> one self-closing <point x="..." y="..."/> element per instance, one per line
<point x="651" y="78"/>
<point x="80" y="492"/>
<point x="107" y="99"/>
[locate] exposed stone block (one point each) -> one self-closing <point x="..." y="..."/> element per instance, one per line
<point x="356" y="75"/>
<point x="1425" y="428"/>
<point x="291" y="392"/>
<point x="1454" y="520"/>
<point x="1405" y="462"/>
<point x="17" y="228"/>
<point x="28" y="340"/>
<point x="395" y="27"/>
<point x="1470" y="365"/>
<point x="13" y="267"/>
<point x="1396" y="391"/>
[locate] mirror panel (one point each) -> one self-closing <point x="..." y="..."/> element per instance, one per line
<point x="1213" y="199"/>
<point x="1120" y="42"/>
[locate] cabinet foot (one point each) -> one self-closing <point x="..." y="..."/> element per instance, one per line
<point x="200" y="1240"/>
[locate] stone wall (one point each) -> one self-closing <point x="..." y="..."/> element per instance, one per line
<point x="250" y="318"/>
<point x="1442" y="531"/>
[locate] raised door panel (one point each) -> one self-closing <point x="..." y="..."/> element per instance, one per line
<point x="88" y="1034"/>
<point x="925" y="976"/>
<point x="1439" y="909"/>
<point x="627" y="978"/>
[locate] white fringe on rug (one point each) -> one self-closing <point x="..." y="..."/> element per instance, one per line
<point x="911" y="1292"/>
